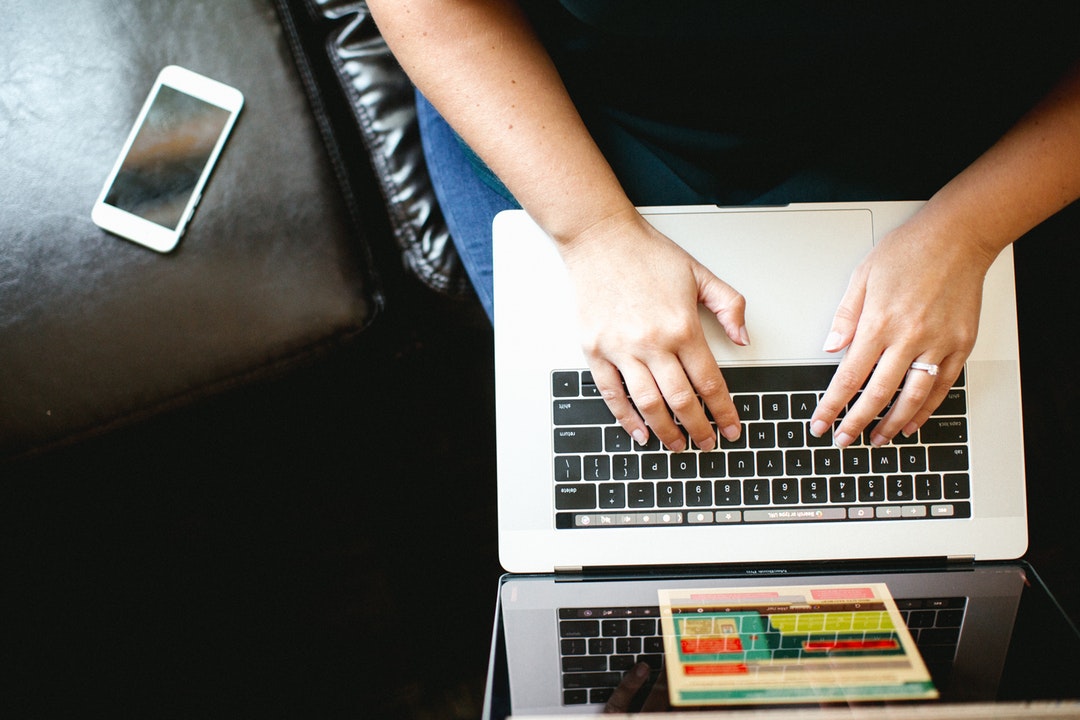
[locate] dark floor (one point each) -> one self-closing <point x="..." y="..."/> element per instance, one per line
<point x="310" y="547"/>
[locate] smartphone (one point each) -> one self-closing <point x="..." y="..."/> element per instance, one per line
<point x="159" y="177"/>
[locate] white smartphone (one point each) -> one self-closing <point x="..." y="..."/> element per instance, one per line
<point x="158" y="179"/>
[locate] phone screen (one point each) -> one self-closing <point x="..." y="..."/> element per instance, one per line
<point x="167" y="157"/>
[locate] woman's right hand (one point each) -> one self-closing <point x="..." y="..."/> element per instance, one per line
<point x="638" y="294"/>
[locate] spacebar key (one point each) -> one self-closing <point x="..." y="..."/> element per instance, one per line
<point x="796" y="514"/>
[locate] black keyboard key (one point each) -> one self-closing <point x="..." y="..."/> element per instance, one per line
<point x="946" y="458"/>
<point x="579" y="496"/>
<point x="802" y="405"/>
<point x="728" y="492"/>
<point x="565" y="384"/>
<point x="798" y="462"/>
<point x="957" y="486"/>
<point x="774" y="407"/>
<point x="748" y="407"/>
<point x="761" y="435"/>
<point x="841" y="489"/>
<point x="581" y="412"/>
<point x="711" y="465"/>
<point x="928" y="487"/>
<point x="827" y="461"/>
<point x="741" y="464"/>
<point x="884" y="460"/>
<point x="669" y="494"/>
<point x="579" y="628"/>
<point x="900" y="487"/>
<point x="684" y="466"/>
<point x="856" y="460"/>
<point x="568" y="469"/>
<point x="654" y="466"/>
<point x="814" y="490"/>
<point x="624" y="467"/>
<point x="640" y="495"/>
<point x="617" y="440"/>
<point x="955" y="403"/>
<point x="612" y="496"/>
<point x="770" y="463"/>
<point x="939" y="430"/>
<point x="913" y="459"/>
<point x="790" y="434"/>
<point x="578" y="440"/>
<point x="584" y="663"/>
<point x="575" y="681"/>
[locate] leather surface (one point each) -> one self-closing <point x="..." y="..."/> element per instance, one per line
<point x="339" y="41"/>
<point x="95" y="329"/>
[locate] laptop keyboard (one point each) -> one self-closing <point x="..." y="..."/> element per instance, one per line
<point x="598" y="645"/>
<point x="776" y="472"/>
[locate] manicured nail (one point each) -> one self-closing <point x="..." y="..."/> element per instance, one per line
<point x="744" y="336"/>
<point x="910" y="429"/>
<point x="842" y="440"/>
<point x="731" y="432"/>
<point x="640" y="436"/>
<point x="819" y="428"/>
<point x="833" y="342"/>
<point x="877" y="440"/>
<point x="708" y="445"/>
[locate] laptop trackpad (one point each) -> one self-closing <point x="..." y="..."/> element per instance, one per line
<point x="792" y="266"/>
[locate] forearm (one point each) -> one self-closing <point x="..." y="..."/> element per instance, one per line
<point x="482" y="67"/>
<point x="1032" y="172"/>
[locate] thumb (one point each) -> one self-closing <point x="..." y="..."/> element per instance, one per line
<point x="726" y="303"/>
<point x="847" y="315"/>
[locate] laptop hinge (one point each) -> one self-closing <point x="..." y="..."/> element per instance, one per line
<point x="568" y="572"/>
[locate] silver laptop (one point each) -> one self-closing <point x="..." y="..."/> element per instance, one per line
<point x="992" y="637"/>
<point x="574" y="496"/>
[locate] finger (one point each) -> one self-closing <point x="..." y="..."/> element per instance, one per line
<point x="850" y="375"/>
<point x="709" y="382"/>
<point x="951" y="367"/>
<point x="610" y="384"/>
<point x="878" y="392"/>
<point x="679" y="398"/>
<point x="913" y="395"/>
<point x="726" y="303"/>
<point x="634" y="679"/>
<point x="651" y="399"/>
<point x="846" y="317"/>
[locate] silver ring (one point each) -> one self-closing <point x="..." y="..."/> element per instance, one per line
<point x="930" y="368"/>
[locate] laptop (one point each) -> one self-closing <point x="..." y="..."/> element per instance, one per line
<point x="590" y="523"/>
<point x="994" y="641"/>
<point x="574" y="495"/>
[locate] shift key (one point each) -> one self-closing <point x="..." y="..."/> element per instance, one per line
<point x="582" y="412"/>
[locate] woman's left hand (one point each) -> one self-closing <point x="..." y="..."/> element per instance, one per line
<point x="916" y="297"/>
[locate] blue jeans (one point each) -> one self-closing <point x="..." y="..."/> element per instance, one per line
<point x="469" y="199"/>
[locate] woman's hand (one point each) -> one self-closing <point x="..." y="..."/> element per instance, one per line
<point x="915" y="298"/>
<point x="638" y="295"/>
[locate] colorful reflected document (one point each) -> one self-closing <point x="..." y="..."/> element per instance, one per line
<point x="789" y="644"/>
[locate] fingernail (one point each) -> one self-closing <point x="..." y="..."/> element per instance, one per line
<point x="640" y="436"/>
<point x="731" y="432"/>
<point x="744" y="336"/>
<point x="641" y="670"/>
<point x="877" y="440"/>
<point x="842" y="440"/>
<point x="709" y="444"/>
<point x="819" y="428"/>
<point x="832" y="342"/>
<point x="909" y="429"/>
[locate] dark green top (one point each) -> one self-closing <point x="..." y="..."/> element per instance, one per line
<point x="743" y="102"/>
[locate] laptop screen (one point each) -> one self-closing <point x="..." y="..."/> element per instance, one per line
<point x="986" y="633"/>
